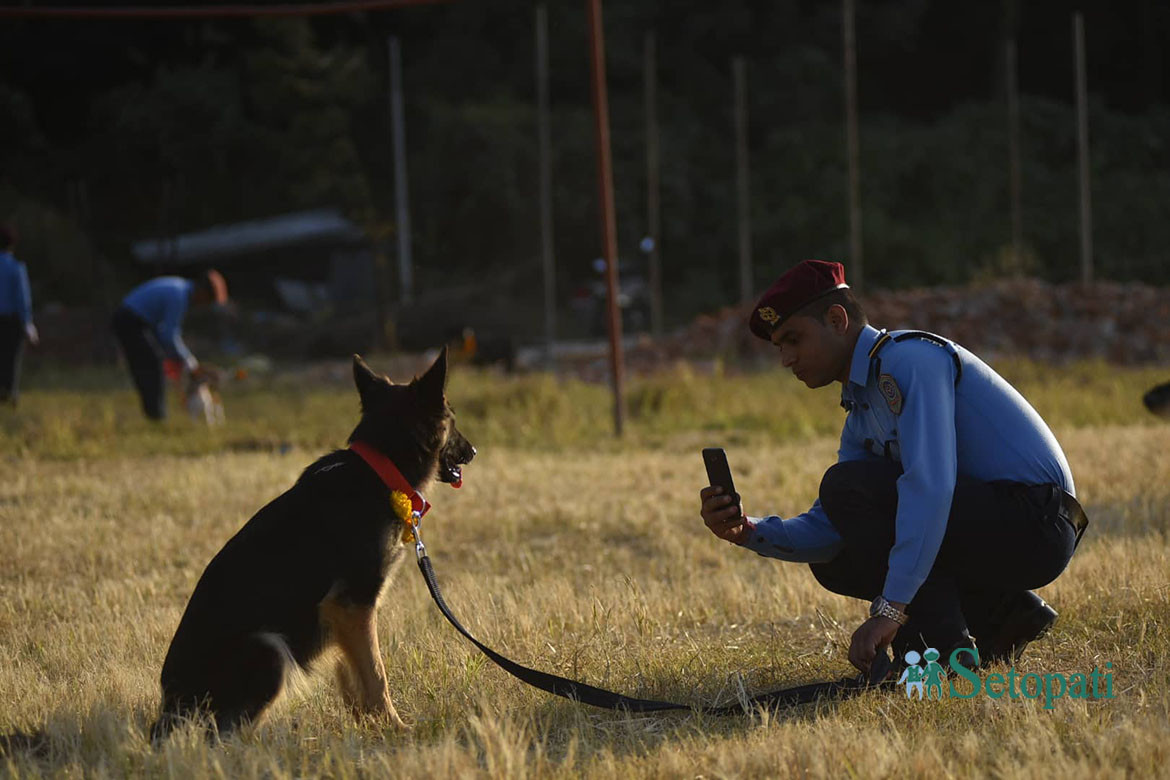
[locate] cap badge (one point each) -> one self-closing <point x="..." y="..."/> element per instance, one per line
<point x="768" y="315"/>
<point x="891" y="392"/>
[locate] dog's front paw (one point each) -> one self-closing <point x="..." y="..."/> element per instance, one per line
<point x="380" y="715"/>
<point x="377" y="709"/>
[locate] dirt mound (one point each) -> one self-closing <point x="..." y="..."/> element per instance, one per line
<point x="1119" y="323"/>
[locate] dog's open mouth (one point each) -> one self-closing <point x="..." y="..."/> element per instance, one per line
<point x="451" y="474"/>
<point x="455" y="455"/>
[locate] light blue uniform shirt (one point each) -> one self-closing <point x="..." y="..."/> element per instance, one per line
<point x="162" y="302"/>
<point x="15" y="297"/>
<point x="980" y="428"/>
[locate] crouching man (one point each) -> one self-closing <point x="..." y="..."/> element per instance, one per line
<point x="950" y="499"/>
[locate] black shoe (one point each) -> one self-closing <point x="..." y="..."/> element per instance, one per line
<point x="1026" y="619"/>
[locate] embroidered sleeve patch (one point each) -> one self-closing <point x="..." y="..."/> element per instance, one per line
<point x="891" y="392"/>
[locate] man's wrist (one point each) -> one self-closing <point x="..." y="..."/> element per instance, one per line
<point x="894" y="612"/>
<point x="898" y="605"/>
<point x="745" y="532"/>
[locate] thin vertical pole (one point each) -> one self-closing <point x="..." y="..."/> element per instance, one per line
<point x="1151" y="52"/>
<point x="1083" y="150"/>
<point x="652" y="178"/>
<point x="164" y="229"/>
<point x="742" y="182"/>
<point x="546" y="222"/>
<point x="386" y="333"/>
<point x="100" y="279"/>
<point x="857" y="265"/>
<point x="401" y="201"/>
<point x="1013" y="100"/>
<point x="606" y="205"/>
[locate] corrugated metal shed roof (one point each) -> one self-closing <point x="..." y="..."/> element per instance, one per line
<point x="252" y="236"/>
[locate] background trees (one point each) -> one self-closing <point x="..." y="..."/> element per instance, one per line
<point x="116" y="131"/>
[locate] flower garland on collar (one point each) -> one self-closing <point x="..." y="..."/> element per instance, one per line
<point x="403" y="509"/>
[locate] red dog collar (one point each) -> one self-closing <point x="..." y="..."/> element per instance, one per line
<point x="389" y="473"/>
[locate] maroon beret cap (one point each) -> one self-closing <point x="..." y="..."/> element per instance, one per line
<point x="799" y="286"/>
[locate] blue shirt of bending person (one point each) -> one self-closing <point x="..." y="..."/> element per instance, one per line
<point x="162" y="303"/>
<point x="15" y="297"/>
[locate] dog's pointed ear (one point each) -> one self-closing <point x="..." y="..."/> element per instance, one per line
<point x="363" y="377"/>
<point x="433" y="383"/>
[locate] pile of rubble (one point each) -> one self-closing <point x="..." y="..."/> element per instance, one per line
<point x="1118" y="323"/>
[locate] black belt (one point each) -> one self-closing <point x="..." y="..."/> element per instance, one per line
<point x="1064" y="504"/>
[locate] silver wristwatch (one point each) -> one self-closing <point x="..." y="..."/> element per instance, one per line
<point x="882" y="608"/>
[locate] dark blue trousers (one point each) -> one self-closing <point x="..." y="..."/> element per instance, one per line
<point x="1002" y="538"/>
<point x="144" y="355"/>
<point x="11" y="353"/>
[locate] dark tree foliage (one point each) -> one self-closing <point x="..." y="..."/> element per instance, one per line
<point x="115" y="131"/>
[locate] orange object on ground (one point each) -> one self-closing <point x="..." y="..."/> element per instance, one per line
<point x="173" y="369"/>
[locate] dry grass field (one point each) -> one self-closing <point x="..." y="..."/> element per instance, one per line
<point x="572" y="553"/>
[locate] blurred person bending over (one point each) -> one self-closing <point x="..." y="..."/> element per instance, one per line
<point x="16" y="325"/>
<point x="950" y="500"/>
<point x="148" y="326"/>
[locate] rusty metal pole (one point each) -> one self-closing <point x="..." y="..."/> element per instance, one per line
<point x="606" y="206"/>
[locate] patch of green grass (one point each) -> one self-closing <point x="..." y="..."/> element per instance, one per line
<point x="93" y="412"/>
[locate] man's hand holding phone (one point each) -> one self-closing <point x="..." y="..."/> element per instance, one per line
<point x="723" y="514"/>
<point x="722" y="510"/>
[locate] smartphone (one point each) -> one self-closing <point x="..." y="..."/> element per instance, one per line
<point x="718" y="472"/>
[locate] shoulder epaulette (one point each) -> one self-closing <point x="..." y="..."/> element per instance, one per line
<point x="877" y="345"/>
<point x="923" y="335"/>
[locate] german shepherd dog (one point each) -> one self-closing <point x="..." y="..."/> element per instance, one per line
<point x="305" y="574"/>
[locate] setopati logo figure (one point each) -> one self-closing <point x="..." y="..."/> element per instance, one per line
<point x="1014" y="685"/>
<point x="912" y="675"/>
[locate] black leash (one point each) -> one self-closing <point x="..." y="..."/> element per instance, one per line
<point x="597" y="697"/>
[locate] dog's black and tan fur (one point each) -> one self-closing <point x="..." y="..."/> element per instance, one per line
<point x="306" y="572"/>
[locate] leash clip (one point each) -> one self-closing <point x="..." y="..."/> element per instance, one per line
<point x="420" y="549"/>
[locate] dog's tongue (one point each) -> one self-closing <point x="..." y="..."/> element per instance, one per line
<point x="457" y="483"/>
